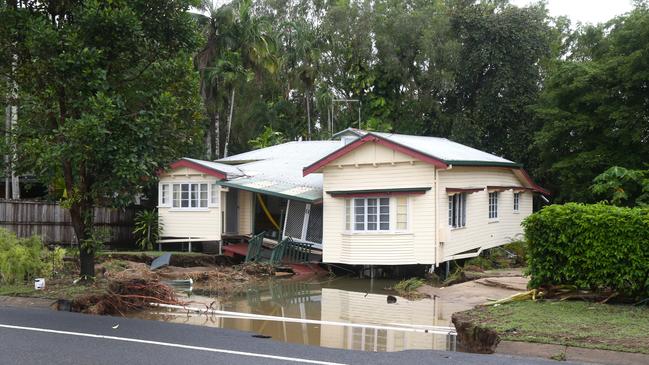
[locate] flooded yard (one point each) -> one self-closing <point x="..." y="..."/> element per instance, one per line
<point x="341" y="299"/>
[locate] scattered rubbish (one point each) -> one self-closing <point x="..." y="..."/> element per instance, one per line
<point x="116" y="326"/>
<point x="392" y="299"/>
<point x="162" y="260"/>
<point x="261" y="336"/>
<point x="39" y="284"/>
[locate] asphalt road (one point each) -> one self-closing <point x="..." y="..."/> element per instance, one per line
<point x="40" y="336"/>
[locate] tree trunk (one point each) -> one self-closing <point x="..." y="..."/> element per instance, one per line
<point x="217" y="135"/>
<point x="227" y="135"/>
<point x="308" y="115"/>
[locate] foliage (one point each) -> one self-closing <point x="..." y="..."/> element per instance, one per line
<point x="409" y="285"/>
<point x="589" y="246"/>
<point x="108" y="95"/>
<point x="267" y="138"/>
<point x="22" y="259"/>
<point x="147" y="228"/>
<point x="593" y="107"/>
<point x="623" y="186"/>
<point x="94" y="242"/>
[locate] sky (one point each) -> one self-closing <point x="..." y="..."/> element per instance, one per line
<point x="585" y="11"/>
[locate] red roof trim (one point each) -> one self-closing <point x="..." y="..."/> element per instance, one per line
<point x="463" y="190"/>
<point x="535" y="187"/>
<point x="372" y="138"/>
<point x="194" y="166"/>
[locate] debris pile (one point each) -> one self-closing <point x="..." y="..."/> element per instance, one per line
<point x="126" y="295"/>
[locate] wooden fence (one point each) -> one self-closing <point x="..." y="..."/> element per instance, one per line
<point x="53" y="223"/>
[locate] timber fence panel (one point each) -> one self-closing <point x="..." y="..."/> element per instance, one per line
<point x="53" y="223"/>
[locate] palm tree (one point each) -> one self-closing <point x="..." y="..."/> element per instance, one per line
<point x="303" y="57"/>
<point x="255" y="49"/>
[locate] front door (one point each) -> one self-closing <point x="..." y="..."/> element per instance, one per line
<point x="232" y="211"/>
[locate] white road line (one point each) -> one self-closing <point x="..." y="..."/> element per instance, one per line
<point x="168" y="344"/>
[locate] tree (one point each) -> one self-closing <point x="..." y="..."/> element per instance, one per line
<point x="594" y="107"/>
<point x="108" y="97"/>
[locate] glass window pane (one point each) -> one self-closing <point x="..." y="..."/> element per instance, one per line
<point x="214" y="199"/>
<point x="386" y="226"/>
<point x="371" y="226"/>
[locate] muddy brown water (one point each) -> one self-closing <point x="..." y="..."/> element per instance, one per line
<point x="341" y="299"/>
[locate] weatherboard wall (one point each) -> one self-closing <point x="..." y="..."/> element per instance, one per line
<point x="480" y="231"/>
<point x="373" y="166"/>
<point x="198" y="223"/>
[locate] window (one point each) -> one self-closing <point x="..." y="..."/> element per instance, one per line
<point x="493" y="205"/>
<point x="402" y="213"/>
<point x="164" y="195"/>
<point x="187" y="196"/>
<point x="214" y="197"/>
<point x="517" y="197"/>
<point x="348" y="214"/>
<point x="457" y="210"/>
<point x="371" y="214"/>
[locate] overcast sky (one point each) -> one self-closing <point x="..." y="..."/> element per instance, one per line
<point x="585" y="11"/>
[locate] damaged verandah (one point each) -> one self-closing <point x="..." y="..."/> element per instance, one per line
<point x="278" y="210"/>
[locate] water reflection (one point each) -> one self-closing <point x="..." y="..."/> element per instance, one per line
<point x="338" y="300"/>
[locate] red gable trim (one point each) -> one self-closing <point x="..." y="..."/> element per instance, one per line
<point x="372" y="138"/>
<point x="194" y="166"/>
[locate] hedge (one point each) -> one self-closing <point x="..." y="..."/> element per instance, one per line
<point x="593" y="247"/>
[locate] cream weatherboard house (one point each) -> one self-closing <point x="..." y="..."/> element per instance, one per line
<point x="365" y="198"/>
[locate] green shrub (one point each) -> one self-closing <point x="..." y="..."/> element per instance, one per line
<point x="590" y="246"/>
<point x="410" y="285"/>
<point x="26" y="258"/>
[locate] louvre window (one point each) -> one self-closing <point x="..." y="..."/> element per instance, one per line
<point x="517" y="197"/>
<point x="493" y="205"/>
<point x="457" y="210"/>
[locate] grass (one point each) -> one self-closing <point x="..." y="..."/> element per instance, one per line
<point x="569" y="323"/>
<point x="53" y="290"/>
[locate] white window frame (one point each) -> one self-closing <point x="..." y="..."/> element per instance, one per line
<point x="351" y="212"/>
<point x="214" y="195"/>
<point x="194" y="190"/>
<point x="517" y="202"/>
<point x="457" y="210"/>
<point x="407" y="213"/>
<point x="493" y="205"/>
<point x="164" y="200"/>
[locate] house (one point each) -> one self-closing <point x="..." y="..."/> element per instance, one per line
<point x="363" y="198"/>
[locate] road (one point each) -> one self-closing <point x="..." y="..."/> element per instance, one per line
<point x="41" y="336"/>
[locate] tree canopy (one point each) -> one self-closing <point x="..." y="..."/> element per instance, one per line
<point x="107" y="96"/>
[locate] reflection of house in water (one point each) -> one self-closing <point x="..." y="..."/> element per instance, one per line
<point x="347" y="306"/>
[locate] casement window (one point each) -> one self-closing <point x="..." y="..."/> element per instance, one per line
<point x="189" y="195"/>
<point x="165" y="198"/>
<point x="493" y="205"/>
<point x="348" y="214"/>
<point x="367" y="214"/>
<point x="517" y="199"/>
<point x="214" y="195"/>
<point x="457" y="210"/>
<point x="402" y="213"/>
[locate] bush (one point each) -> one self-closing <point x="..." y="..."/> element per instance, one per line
<point x="26" y="258"/>
<point x="590" y="246"/>
<point x="408" y="286"/>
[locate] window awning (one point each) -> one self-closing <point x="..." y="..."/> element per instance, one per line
<point x="463" y="190"/>
<point x="504" y="188"/>
<point x="377" y="192"/>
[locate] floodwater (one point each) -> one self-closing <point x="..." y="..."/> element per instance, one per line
<point x="341" y="299"/>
